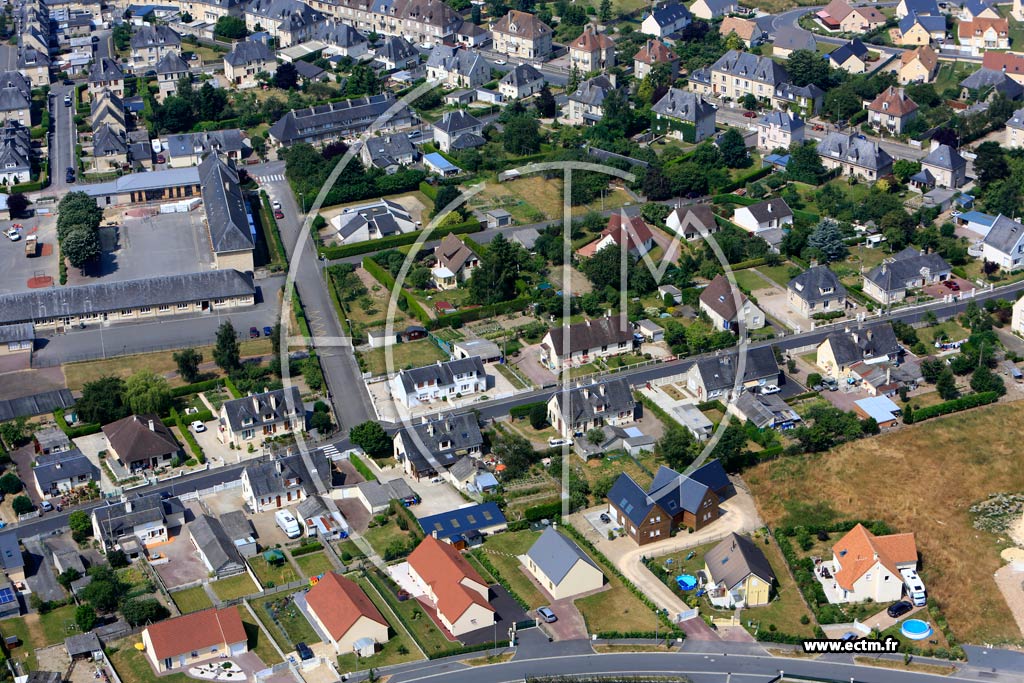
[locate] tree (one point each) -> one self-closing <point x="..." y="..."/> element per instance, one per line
<point x="188" y="361"/>
<point x="10" y="484"/>
<point x="286" y="77"/>
<point x="676" y="447"/>
<point x="903" y="169"/>
<point x="946" y="385"/>
<point x="102" y="401"/>
<point x="118" y="559"/>
<point x="806" y="67"/>
<point x="146" y="392"/>
<point x="805" y="165"/>
<point x="494" y="280"/>
<point x="321" y="422"/>
<point x="595" y="436"/>
<point x="446" y="194"/>
<point x="80" y="246"/>
<point x="539" y="416"/>
<point x="230" y="28"/>
<point x="749" y="102"/>
<point x="521" y="136"/>
<point x="17" y="203"/>
<point x="982" y="380"/>
<point x="68" y="577"/>
<point x="145" y="611"/>
<point x="22" y="505"/>
<point x="372" y="438"/>
<point x="85" y="618"/>
<point x="515" y="453"/>
<point x="227" y="353"/>
<point x="545" y="103"/>
<point x="419" y="277"/>
<point x="734" y="149"/>
<point x="931" y="369"/>
<point x="80" y="525"/>
<point x="991" y="163"/>
<point x="604" y="11"/>
<point x="827" y="241"/>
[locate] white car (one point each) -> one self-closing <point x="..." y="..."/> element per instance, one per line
<point x="198" y="426"/>
<point x="276" y="205"/>
<point x="554" y="442"/>
<point x="13" y="234"/>
<point x="770" y="389"/>
<point x="500" y="62"/>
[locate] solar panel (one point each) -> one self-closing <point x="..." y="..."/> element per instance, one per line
<point x="6" y="596"/>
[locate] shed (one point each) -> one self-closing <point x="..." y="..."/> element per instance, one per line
<point x="651" y="331"/>
<point x="83" y="646"/>
<point x="498" y="218"/>
<point x="438" y="164"/>
<point x="885" y="412"/>
<point x="364" y="647"/>
<point x="378" y="339"/>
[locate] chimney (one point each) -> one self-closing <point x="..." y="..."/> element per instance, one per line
<point x="434" y="534"/>
<point x="255" y="404"/>
<point x="888" y="374"/>
<point x="279" y="466"/>
<point x="152" y="427"/>
<point x="430" y="429"/>
<point x="602" y="388"/>
<point x="586" y="392"/>
<point x="273" y="401"/>
<point x="56" y="465"/>
<point x="869" y="334"/>
<point x="771" y="207"/>
<point x="127" y="504"/>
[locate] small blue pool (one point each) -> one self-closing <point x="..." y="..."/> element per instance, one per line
<point x="915" y="629"/>
<point x="686" y="582"/>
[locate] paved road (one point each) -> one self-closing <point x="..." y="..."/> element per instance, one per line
<point x="63" y="137"/>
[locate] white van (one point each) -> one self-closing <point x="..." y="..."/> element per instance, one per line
<point x="914" y="586"/>
<point x="289" y="525"/>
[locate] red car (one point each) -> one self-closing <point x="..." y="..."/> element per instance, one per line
<point x="278" y="214"/>
<point x="750" y="114"/>
<point x="160" y="159"/>
<point x="952" y="285"/>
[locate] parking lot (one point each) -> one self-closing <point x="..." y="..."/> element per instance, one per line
<point x="165" y="244"/>
<point x="16" y="269"/>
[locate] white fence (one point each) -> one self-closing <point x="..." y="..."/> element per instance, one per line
<point x="195" y="495"/>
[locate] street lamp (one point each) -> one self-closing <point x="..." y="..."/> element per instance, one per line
<point x="302" y="198"/>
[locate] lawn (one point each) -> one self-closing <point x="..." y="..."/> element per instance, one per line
<point x="371" y="310"/>
<point x="412" y="616"/>
<point x="611" y="467"/>
<point x="502" y="550"/>
<point x="133" y="667"/>
<point x="314" y="564"/>
<point x="749" y="280"/>
<point x="286" y="623"/>
<point x="409" y="355"/>
<point x="944" y="454"/>
<point x="271" y="575"/>
<point x="399" y="648"/>
<point x="350" y="549"/>
<point x="256" y="639"/>
<point x="953" y="330"/>
<point x="35" y="631"/>
<point x="382" y="535"/>
<point x="234" y="587"/>
<point x="192" y="599"/>
<point x="951" y="73"/>
<point x="779" y="274"/>
<point x="615" y="609"/>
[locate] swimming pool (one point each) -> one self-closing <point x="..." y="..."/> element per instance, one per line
<point x="915" y="629"/>
<point x="686" y="582"/>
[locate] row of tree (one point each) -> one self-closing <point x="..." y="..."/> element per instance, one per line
<point x="78" y="223"/>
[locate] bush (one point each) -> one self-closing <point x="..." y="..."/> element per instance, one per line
<point x="956" y="405"/>
<point x="306" y="548"/>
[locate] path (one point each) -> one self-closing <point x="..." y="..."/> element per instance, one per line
<point x="1009" y="582"/>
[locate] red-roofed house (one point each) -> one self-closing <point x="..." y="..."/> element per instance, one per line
<point x="344" y="612"/>
<point x="457" y="591"/>
<point x="633" y="231"/>
<point x="182" y="642"/>
<point x="654" y="52"/>
<point x="1012" y="63"/>
<point x="865" y="566"/>
<point x="985" y="34"/>
<point x="592" y="51"/>
<point x="892" y="110"/>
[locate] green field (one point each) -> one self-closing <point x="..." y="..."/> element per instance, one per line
<point x="271" y="575"/>
<point x="314" y="564"/>
<point x="234" y="587"/>
<point x="399" y="648"/>
<point x="38" y="630"/>
<point x="502" y="551"/>
<point x="290" y="626"/>
<point x="749" y="281"/>
<point x="192" y="600"/>
<point x="382" y="535"/>
<point x="133" y="667"/>
<point x="409" y="355"/>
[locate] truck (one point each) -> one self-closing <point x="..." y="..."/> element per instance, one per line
<point x="289" y="525"/>
<point x="30" y="245"/>
<point x="914" y="586"/>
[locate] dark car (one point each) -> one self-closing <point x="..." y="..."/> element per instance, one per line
<point x="68" y="81"/>
<point x="750" y="114"/>
<point x="268" y="331"/>
<point x="605" y="518"/>
<point x="69" y="175"/>
<point x="303" y="651"/>
<point x="279" y="214"/>
<point x="161" y="159"/>
<point x="254" y="333"/>
<point x="898" y="609"/>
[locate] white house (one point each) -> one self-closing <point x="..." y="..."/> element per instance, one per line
<point x="561" y="567"/>
<point x="718" y="302"/>
<point x="770" y="214"/>
<point x="1004" y="243"/>
<point x="867" y="567"/>
<point x="439" y="382"/>
<point x="666" y="20"/>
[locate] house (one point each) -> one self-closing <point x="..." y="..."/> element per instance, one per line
<point x="736" y="74"/>
<point x="141" y="442"/>
<point x="521" y="35"/>
<point x="779" y="129"/>
<point x="455" y="262"/>
<point x="738" y="574"/>
<point x="1010" y="63"/>
<point x="711" y="378"/>
<point x="439" y="382"/>
<point x="673" y="501"/>
<point x="135" y="520"/>
<point x="471" y="35"/>
<point x="108" y="109"/>
<point x="592" y="51"/>
<point x="463" y="474"/>
<point x="582" y="408"/>
<point x="372" y="221"/>
<point x="1004" y="243"/>
<point x="982" y="34"/>
<point x="851" y="57"/>
<point x="916" y="29"/>
<point x="16" y="100"/>
<point x="843" y="349"/>
<point x="397" y="53"/>
<point x="430" y="446"/>
<point x="15" y="153"/>
<point x="258" y="417"/>
<point x="226" y="208"/>
<point x="694" y="420"/>
<point x="461" y="526"/>
<point x="815" y="291"/>
<point x="718" y="302"/>
<point x="288" y="479"/>
<point x="109" y="149"/>
<point x="1017" y="318"/>
<point x="692" y="222"/>
<point x="344" y="613"/>
<point x="918" y="66"/>
<point x="839" y="15"/>
<point x="984" y="84"/>
<point x="789" y="39"/>
<point x="971" y="9"/>
<point x="321" y="517"/>
<point x="560" y="566"/>
<point x="944" y="167"/>
<point x="289" y="22"/>
<point x="579" y="343"/>
<point x="457" y="67"/>
<point x="770" y="214"/>
<point x="216" y="551"/>
<point x="105" y="74"/>
<point x="520" y="82"/>
<point x="51" y="439"/>
<point x="764" y="411"/>
<point x="418" y="21"/>
<point x="867" y="567"/>
<point x="149" y="44"/>
<point x="388" y="152"/>
<point x="805" y="100"/>
<point x="854" y="156"/>
<point x="169" y="72"/>
<point x="342" y="40"/>
<point x="622" y="232"/>
<point x="745" y="29"/>
<point x="586" y="105"/>
<point x="666" y="20"/>
<point x="892" y="110"/>
<point x="710" y="9"/>
<point x="927" y="8"/>
<point x="246" y="60"/>
<point x="684" y="115"/>
<point x="453" y="587"/>
<point x="58" y="472"/>
<point x="11" y="557"/>
<point x="333" y="121"/>
<point x="184" y="641"/>
<point x="1015" y="130"/>
<point x="239" y="531"/>
<point x="653" y="52"/>
<point x="458" y="130"/>
<point x="881" y="409"/>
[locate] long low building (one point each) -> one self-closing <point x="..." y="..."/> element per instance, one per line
<point x="57" y="307"/>
<point x="333" y="121"/>
<point x="140" y="188"/>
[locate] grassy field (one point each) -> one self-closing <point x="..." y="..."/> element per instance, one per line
<point x="133" y="667"/>
<point x="372" y="309"/>
<point x="399" y="648"/>
<point x="314" y="564"/>
<point x="257" y="640"/>
<point x="412" y="616"/>
<point x="953" y="330"/>
<point x="951" y="73"/>
<point x="291" y="625"/>
<point x="502" y="551"/>
<point x="410" y="355"/>
<point x="272" y="574"/>
<point x="779" y="274"/>
<point x="38" y="630"/>
<point x="382" y="535"/>
<point x="938" y="455"/>
<point x="234" y="587"/>
<point x="749" y="280"/>
<point x="615" y="609"/>
<point x="192" y="599"/>
<point x="600" y="468"/>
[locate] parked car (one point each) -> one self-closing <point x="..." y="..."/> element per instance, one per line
<point x="276" y="205"/>
<point x="69" y="175"/>
<point x="750" y="114"/>
<point x="951" y="285"/>
<point x="849" y="635"/>
<point x="161" y="159"/>
<point x="67" y="100"/>
<point x="279" y="214"/>
<point x="770" y="389"/>
<point x="46" y="506"/>
<point x="303" y="651"/>
<point x="500" y="62"/>
<point x="268" y="331"/>
<point x="414" y="134"/>
<point x="898" y="609"/>
<point x="13" y="234"/>
<point x="198" y="427"/>
<point x="68" y="81"/>
<point x="546" y="614"/>
<point x="605" y="518"/>
<point x="254" y="333"/>
<point x="554" y="442"/>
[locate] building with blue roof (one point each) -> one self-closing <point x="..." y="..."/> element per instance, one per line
<point x="465" y="526"/>
<point x="438" y="164"/>
<point x="561" y="567"/>
<point x="977" y="222"/>
<point x="673" y="501"/>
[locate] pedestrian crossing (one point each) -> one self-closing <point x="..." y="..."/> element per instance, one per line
<point x="275" y="178"/>
<point x="332" y="452"/>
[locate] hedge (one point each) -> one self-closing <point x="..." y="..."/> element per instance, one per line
<point x="346" y="250"/>
<point x="232" y="389"/>
<point x="75" y="432"/>
<point x="196" y="388"/>
<point x="657" y="410"/>
<point x="711" y="405"/>
<point x="482" y="558"/>
<point x="523" y="411"/>
<point x="190" y="439"/>
<point x="300" y="314"/>
<point x="274" y="229"/>
<point x="429" y="190"/>
<point x="413" y="524"/>
<point x="306" y="548"/>
<point x="750" y="177"/>
<point x="956" y="405"/>
<point x="543" y="511"/>
<point x="361" y="468"/>
<point x="805" y="395"/>
<point x="750" y="263"/>
<point x="470" y="314"/>
<point x="384" y="277"/>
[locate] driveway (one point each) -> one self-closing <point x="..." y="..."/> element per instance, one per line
<point x="23" y="458"/>
<point x="528" y="363"/>
<point x="40" y="572"/>
<point x="434" y="498"/>
<point x="507" y="612"/>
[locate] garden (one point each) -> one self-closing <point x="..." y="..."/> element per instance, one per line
<point x="285" y="621"/>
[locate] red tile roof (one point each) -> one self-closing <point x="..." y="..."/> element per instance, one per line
<point x="654" y="52"/>
<point x="591" y="41"/>
<point x="1010" y="62"/>
<point x="445" y="570"/>
<point x="634" y="229"/>
<point x="339" y="603"/>
<point x="980" y="25"/>
<point x="893" y="101"/>
<point x="858" y="550"/>
<point x="197" y="631"/>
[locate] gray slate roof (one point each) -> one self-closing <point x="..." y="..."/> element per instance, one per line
<point x="592" y="91"/>
<point x="106" y="142"/>
<point x="1017" y="120"/>
<point x="44" y="304"/>
<point x="105" y="69"/>
<point x="337" y="118"/>
<point x="719" y="372"/>
<point x="397" y="50"/>
<point x="215" y="545"/>
<point x="252" y="412"/>
<point x="752" y="67"/>
<point x="817" y="284"/>
<point x="858" y="345"/>
<point x="1004" y="235"/>
<point x="464" y="468"/>
<point x="115" y="520"/>
<point x="390" y="147"/>
<point x="944" y="157"/>
<point x="338" y="34"/>
<point x="735" y="558"/>
<point x="458" y="60"/>
<point x="764" y="410"/>
<point x="670" y="14"/>
<point x="682" y="105"/>
<point x="461" y="432"/>
<point x="608" y="397"/>
<point x="590" y="334"/>
<point x="522" y="74"/>
<point x="787" y="121"/>
<point x="792" y="38"/>
<point x="769" y="209"/>
<point x="440" y="373"/>
<point x="265" y="480"/>
<point x="154" y="35"/>
<point x="670" y="490"/>
<point x="248" y="52"/>
<point x="556" y="555"/>
<point x="16" y="79"/>
<point x="226" y="214"/>
<point x="990" y="79"/>
<point x="82" y="644"/>
<point x="850" y="148"/>
<point x="54" y="467"/>
<point x="453" y="122"/>
<point x="171" y="63"/>
<point x="894" y="274"/>
<point x="17" y="333"/>
<point x="13" y="99"/>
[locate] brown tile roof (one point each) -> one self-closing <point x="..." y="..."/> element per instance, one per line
<point x="522" y="24"/>
<point x="453" y="253"/>
<point x="591" y="41"/>
<point x="339" y="603"/>
<point x="140" y="437"/>
<point x="718" y="297"/>
<point x="837" y="9"/>
<point x="635" y="230"/>
<point x="1010" y="62"/>
<point x="893" y="101"/>
<point x="196" y="631"/>
<point x="654" y="52"/>
<point x="590" y="334"/>
<point x="858" y="550"/>
<point x="870" y="14"/>
<point x="980" y="25"/>
<point x="928" y="57"/>
<point x="744" y="28"/>
<point x="445" y="570"/>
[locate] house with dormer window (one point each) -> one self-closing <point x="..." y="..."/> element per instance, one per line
<point x="256" y="418"/>
<point x="594" y="405"/>
<point x="718" y="302"/>
<point x="285" y="480"/>
<point x="522" y="35"/>
<point x="439" y="382"/>
<point x="816" y="290"/>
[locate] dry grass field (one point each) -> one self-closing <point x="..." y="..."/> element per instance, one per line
<point x="920" y="479"/>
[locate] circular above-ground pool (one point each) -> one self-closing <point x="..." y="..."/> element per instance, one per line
<point x="915" y="629"/>
<point x="686" y="582"/>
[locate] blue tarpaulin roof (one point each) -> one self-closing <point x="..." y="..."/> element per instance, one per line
<point x="439" y="163"/>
